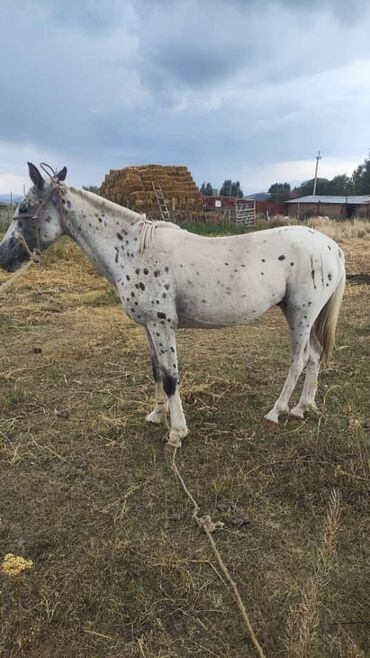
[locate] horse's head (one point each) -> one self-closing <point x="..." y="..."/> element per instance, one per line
<point x="37" y="221"/>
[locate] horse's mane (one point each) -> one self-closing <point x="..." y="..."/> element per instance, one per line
<point x="148" y="225"/>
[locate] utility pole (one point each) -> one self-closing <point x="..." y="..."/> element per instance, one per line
<point x="318" y="157"/>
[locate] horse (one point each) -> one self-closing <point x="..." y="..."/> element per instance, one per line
<point x="169" y="278"/>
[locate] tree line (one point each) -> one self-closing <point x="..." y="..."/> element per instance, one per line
<point x="342" y="185"/>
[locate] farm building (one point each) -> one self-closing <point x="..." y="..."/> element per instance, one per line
<point x="332" y="206"/>
<point x="162" y="192"/>
<point x="262" y="207"/>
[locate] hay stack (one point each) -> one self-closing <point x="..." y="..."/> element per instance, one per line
<point x="133" y="187"/>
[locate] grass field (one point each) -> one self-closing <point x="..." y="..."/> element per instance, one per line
<point x="120" y="569"/>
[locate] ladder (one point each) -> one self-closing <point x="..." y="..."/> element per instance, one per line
<point x="245" y="213"/>
<point x="162" y="205"/>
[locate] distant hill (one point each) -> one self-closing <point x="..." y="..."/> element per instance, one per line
<point x="259" y="196"/>
<point x="5" y="198"/>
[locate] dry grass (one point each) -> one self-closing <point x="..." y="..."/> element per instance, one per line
<point x="120" y="570"/>
<point x="345" y="230"/>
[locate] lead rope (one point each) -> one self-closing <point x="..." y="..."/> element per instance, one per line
<point x="209" y="527"/>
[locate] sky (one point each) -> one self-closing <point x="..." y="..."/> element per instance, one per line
<point x="243" y="89"/>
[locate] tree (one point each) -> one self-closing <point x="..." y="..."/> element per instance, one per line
<point x="361" y="178"/>
<point x="206" y="189"/>
<point x="340" y="185"/>
<point x="279" y="191"/>
<point x="306" y="188"/>
<point x="231" y="188"/>
<point x="91" y="188"/>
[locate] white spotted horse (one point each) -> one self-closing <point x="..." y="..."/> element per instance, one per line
<point x="168" y="278"/>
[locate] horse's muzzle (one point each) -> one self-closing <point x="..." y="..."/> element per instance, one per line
<point x="12" y="256"/>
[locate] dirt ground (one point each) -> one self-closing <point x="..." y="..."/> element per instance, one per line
<point x="120" y="569"/>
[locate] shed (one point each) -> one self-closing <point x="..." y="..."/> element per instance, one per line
<point x="331" y="206"/>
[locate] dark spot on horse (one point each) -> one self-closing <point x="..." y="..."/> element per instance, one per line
<point x="282" y="258"/>
<point x="132" y="294"/>
<point x="116" y="257"/>
<point x="145" y="270"/>
<point x="157" y="302"/>
<point x="263" y="274"/>
<point x="243" y="265"/>
<point x="100" y="220"/>
<point x="172" y="349"/>
<point x="164" y="295"/>
<point x="119" y="236"/>
<point x="136" y="304"/>
<point x="168" y="319"/>
<point x="329" y="247"/>
<point x="137" y="271"/>
<point x="127" y="277"/>
<point x="161" y="315"/>
<point x="157" y="333"/>
<point x="309" y="304"/>
<point x="305" y="317"/>
<point x="156" y="273"/>
<point x="226" y="263"/>
<point x="167" y="287"/>
<point x="263" y="260"/>
<point x="291" y="264"/>
<point x="339" y="253"/>
<point x="166" y="269"/>
<point x="69" y="204"/>
<point x="330" y="277"/>
<point x="169" y="383"/>
<point x="162" y="322"/>
<point x="142" y="286"/>
<point x="203" y="301"/>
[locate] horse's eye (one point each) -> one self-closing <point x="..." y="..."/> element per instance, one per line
<point x="22" y="208"/>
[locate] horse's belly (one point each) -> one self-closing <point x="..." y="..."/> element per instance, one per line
<point x="203" y="314"/>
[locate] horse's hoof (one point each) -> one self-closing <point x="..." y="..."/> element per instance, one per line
<point x="271" y="419"/>
<point x="297" y="413"/>
<point x="154" y="417"/>
<point x="175" y="437"/>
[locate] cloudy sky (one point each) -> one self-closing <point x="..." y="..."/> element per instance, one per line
<point x="243" y="89"/>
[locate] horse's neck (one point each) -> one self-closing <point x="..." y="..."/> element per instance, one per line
<point x="97" y="229"/>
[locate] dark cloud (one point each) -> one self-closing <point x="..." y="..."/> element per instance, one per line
<point x="210" y="84"/>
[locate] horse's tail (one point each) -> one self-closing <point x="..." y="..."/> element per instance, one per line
<point x="326" y="322"/>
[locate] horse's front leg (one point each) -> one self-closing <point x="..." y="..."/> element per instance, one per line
<point x="163" y="338"/>
<point x="161" y="400"/>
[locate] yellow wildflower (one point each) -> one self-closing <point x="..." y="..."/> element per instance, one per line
<point x="14" y="565"/>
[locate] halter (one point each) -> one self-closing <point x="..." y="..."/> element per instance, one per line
<point x="36" y="253"/>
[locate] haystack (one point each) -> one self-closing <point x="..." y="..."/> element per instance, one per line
<point x="132" y="187"/>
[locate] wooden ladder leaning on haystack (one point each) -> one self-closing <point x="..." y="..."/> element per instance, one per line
<point x="162" y="205"/>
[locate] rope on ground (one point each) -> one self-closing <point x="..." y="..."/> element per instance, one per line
<point x="209" y="527"/>
<point x="34" y="258"/>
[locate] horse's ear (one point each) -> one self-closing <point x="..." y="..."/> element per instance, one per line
<point x="35" y="176"/>
<point x="62" y="174"/>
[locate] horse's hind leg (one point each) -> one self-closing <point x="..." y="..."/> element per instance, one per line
<point x="299" y="337"/>
<point x="161" y="400"/>
<point x="307" y="399"/>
